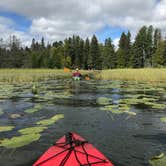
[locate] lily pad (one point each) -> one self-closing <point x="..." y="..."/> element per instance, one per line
<point x="163" y="119"/>
<point x="31" y="130"/>
<point x="19" y="141"/>
<point x="1" y="112"/>
<point x="35" y="109"/>
<point x="6" y="128"/>
<point x="158" y="161"/>
<point x="103" y="100"/>
<point x="50" y="121"/>
<point x="158" y="106"/>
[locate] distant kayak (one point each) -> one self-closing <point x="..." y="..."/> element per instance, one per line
<point x="72" y="150"/>
<point x="76" y="78"/>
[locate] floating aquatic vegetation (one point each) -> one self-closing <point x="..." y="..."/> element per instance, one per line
<point x="163" y="119"/>
<point x="15" y="116"/>
<point x="149" y="101"/>
<point x="50" y="121"/>
<point x="1" y="112"/>
<point x="111" y="85"/>
<point x="19" y="141"/>
<point x="158" y="106"/>
<point x="6" y="128"/>
<point x="50" y="95"/>
<point x="6" y="91"/>
<point x="34" y="130"/>
<point x="104" y="100"/>
<point x="34" y="109"/>
<point x="159" y="160"/>
<point x="119" y="109"/>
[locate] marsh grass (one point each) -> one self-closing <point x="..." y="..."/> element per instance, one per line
<point x="147" y="74"/>
<point x="30" y="75"/>
<point x="34" y="75"/>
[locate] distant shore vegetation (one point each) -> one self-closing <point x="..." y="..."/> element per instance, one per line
<point x="147" y="50"/>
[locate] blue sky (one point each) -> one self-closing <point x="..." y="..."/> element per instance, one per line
<point x="21" y="23"/>
<point x="108" y="31"/>
<point x="55" y="20"/>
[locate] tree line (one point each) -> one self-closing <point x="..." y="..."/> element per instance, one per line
<point x="147" y="50"/>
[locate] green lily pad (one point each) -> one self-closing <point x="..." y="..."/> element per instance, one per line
<point x="50" y="121"/>
<point x="158" y="106"/>
<point x="1" y="112"/>
<point x="33" y="130"/>
<point x="19" y="141"/>
<point x="163" y="119"/>
<point x="6" y="128"/>
<point x="103" y="100"/>
<point x="119" y="109"/>
<point x="158" y="161"/>
<point x="35" y="109"/>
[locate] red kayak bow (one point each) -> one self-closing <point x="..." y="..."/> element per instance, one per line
<point x="72" y="150"/>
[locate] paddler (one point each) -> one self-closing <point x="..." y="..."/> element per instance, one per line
<point x="77" y="74"/>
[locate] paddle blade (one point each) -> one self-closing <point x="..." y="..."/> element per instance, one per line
<point x="87" y="78"/>
<point x="66" y="69"/>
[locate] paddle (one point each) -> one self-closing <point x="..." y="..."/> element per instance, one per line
<point x="66" y="70"/>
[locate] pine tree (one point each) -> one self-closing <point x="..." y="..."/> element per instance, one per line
<point x="86" y="53"/>
<point x="158" y="58"/>
<point x="95" y="53"/>
<point x="108" y="55"/>
<point x="121" y="52"/>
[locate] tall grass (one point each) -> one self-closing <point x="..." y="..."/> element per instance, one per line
<point x="31" y="75"/>
<point x="147" y="74"/>
<point x="35" y="75"/>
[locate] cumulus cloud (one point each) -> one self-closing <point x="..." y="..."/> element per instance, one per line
<point x="56" y="20"/>
<point x="6" y="30"/>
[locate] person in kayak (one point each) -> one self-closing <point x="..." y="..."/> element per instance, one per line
<point x="77" y="73"/>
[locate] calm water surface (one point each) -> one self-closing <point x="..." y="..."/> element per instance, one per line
<point x="125" y="139"/>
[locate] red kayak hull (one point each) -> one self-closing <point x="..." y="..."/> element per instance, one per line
<point x="61" y="154"/>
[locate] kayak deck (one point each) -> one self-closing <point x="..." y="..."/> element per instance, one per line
<point x="72" y="150"/>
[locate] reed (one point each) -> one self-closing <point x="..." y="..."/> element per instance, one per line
<point x="147" y="75"/>
<point x="31" y="75"/>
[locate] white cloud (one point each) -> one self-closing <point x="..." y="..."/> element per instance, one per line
<point x="56" y="20"/>
<point x="116" y="42"/>
<point x="6" y="30"/>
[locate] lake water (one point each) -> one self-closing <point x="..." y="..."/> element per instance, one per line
<point x="122" y="119"/>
